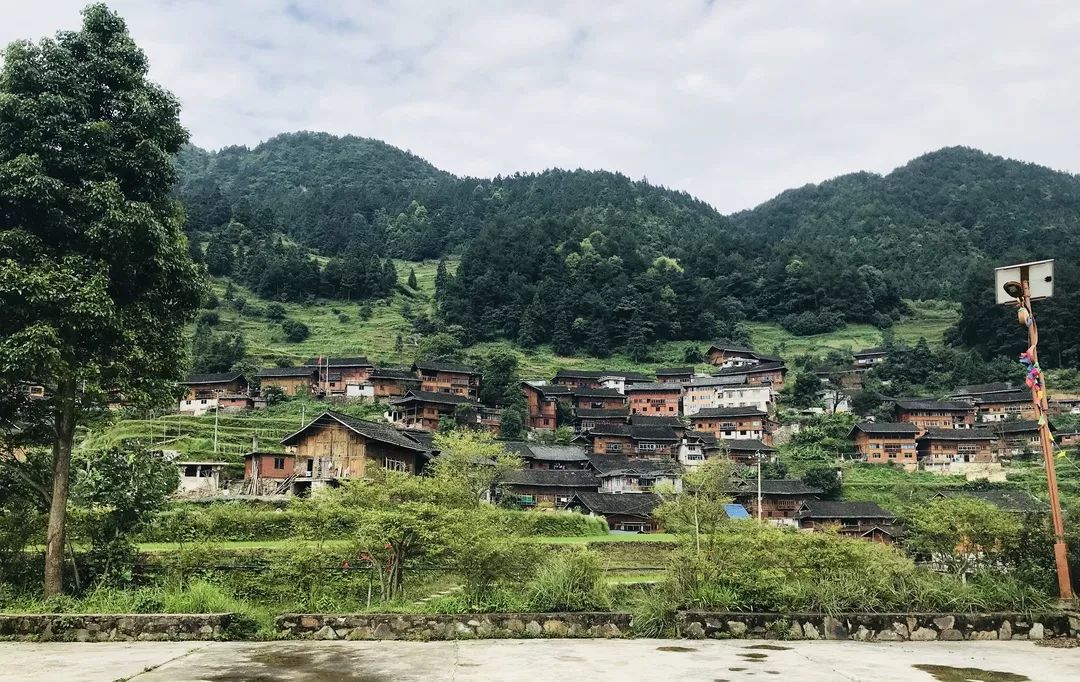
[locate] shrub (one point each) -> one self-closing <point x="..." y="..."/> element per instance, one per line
<point x="275" y="312"/>
<point x="570" y="581"/>
<point x="295" y="332"/>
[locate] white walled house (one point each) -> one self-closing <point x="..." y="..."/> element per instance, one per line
<point x="714" y="392"/>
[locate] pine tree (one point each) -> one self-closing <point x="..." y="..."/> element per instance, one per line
<point x="442" y="278"/>
<point x="561" y="341"/>
<point x="412" y="279"/>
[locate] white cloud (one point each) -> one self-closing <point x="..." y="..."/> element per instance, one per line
<point x="733" y="101"/>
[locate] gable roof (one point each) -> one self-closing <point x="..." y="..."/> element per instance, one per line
<point x="657" y="420"/>
<point x="602" y="412"/>
<point x="547" y="453"/>
<point x="1003" y="397"/>
<point x="1015" y="501"/>
<point x="674" y="371"/>
<point x="444" y="366"/>
<point x="866" y="352"/>
<point x="358" y="361"/>
<point x="213" y="378"/>
<point x="927" y="404"/>
<point x="433" y="397"/>
<point x="830" y="509"/>
<point x="655" y="387"/>
<point x="743" y="351"/>
<point x="383" y="433"/>
<point x="776" y="486"/>
<point x="653" y="432"/>
<point x="733" y="380"/>
<point x="286" y="372"/>
<point x="403" y="373"/>
<point x="609" y="465"/>
<point x="714" y="412"/>
<point x="595" y="374"/>
<point x="895" y="428"/>
<point x="769" y="366"/>
<point x="957" y="434"/>
<point x="982" y="389"/>
<point x="565" y="478"/>
<point x="1023" y="426"/>
<point x="548" y="389"/>
<point x="745" y="445"/>
<point x="626" y="504"/>
<point x="598" y="393"/>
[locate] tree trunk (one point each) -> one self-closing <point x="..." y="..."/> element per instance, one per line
<point x="64" y="425"/>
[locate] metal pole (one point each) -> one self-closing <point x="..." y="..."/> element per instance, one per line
<point x="215" y="429"/>
<point x="758" y="457"/>
<point x="1038" y="397"/>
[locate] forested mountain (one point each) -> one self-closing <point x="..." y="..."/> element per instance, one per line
<point x="594" y="261"/>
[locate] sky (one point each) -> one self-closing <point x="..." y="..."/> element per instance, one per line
<point x="731" y="101"/>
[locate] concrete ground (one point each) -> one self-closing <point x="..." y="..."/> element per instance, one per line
<point x="531" y="660"/>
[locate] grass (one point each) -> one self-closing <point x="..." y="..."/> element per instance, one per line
<point x="604" y="539"/>
<point x="288" y="543"/>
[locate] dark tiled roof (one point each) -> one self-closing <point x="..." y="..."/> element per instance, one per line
<point x="748" y="352"/>
<point x="403" y="373"/>
<point x="899" y="428"/>
<point x="735" y="380"/>
<point x="214" y="378"/>
<point x="1017" y="501"/>
<point x="383" y="433"/>
<point x="602" y="412"/>
<point x="359" y="361"/>
<point x="609" y="429"/>
<point x="745" y="445"/>
<point x="547" y="453"/>
<point x="444" y="366"/>
<point x="433" y="397"/>
<point x="674" y="371"/>
<point x="770" y="366"/>
<point x="549" y="389"/>
<point x="777" y="486"/>
<point x="922" y="404"/>
<point x="1004" y="397"/>
<point x="628" y="504"/>
<point x="598" y="393"/>
<point x="957" y="434"/>
<point x="1023" y="426"/>
<point x="714" y="412"/>
<point x="877" y="350"/>
<point x="828" y="509"/>
<point x="566" y="478"/>
<point x="654" y="386"/>
<point x="657" y="420"/>
<point x="653" y="432"/>
<point x="609" y="464"/>
<point x="286" y="372"/>
<point x="597" y="373"/>
<point x="980" y="389"/>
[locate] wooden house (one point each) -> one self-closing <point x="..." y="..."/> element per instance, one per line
<point x="547" y="487"/>
<point x="746" y="451"/>
<point x="736" y="356"/>
<point x="730" y="391"/>
<point x="676" y="375"/>
<point x="869" y="357"/>
<point x="629" y="439"/>
<point x="587" y="418"/>
<point x="780" y="498"/>
<point x="292" y="381"/>
<point x="654" y="398"/>
<point x="864" y="520"/>
<point x="591" y="378"/>
<point x="733" y="423"/>
<point x="205" y="392"/>
<point x="335" y="446"/>
<point x="438" y="376"/>
<point x="969" y="394"/>
<point x="998" y="407"/>
<point x="598" y="399"/>
<point x="939" y="448"/>
<point x="274" y="466"/>
<point x="542" y="404"/>
<point x="886" y="443"/>
<point x="624" y="513"/>
<point x="935" y="414"/>
<point x="1011" y="500"/>
<point x="769" y="374"/>
<point x="335" y="375"/>
<point x="423" y="409"/>
<point x="1016" y="438"/>
<point x="392" y="382"/>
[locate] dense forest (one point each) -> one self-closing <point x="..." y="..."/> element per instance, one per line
<point x="594" y="261"/>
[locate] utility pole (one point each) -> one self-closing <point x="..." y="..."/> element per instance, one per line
<point x="215" y="430"/>
<point x="1022" y="283"/>
<point x="758" y="456"/>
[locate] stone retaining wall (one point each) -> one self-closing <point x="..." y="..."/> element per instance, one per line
<point x="880" y="627"/>
<point x="463" y="626"/>
<point x="115" y="627"/>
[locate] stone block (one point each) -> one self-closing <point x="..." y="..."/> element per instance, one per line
<point x="945" y="622"/>
<point x="923" y="635"/>
<point x="555" y="628"/>
<point x="611" y="630"/>
<point x="889" y="636"/>
<point x="515" y="626"/>
<point x="1005" y="631"/>
<point x="694" y="631"/>
<point x="861" y="634"/>
<point x="325" y="632"/>
<point x="309" y="622"/>
<point x="361" y="632"/>
<point x="809" y="631"/>
<point x="951" y="635"/>
<point x="533" y="629"/>
<point x="1036" y="631"/>
<point x="902" y="630"/>
<point x="834" y="628"/>
<point x="795" y="632"/>
<point x="736" y="628"/>
<point x="984" y="634"/>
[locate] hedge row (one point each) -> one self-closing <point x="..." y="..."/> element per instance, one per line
<point x="233" y="521"/>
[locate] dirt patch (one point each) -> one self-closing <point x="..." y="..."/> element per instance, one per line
<point x="757" y="658"/>
<point x="944" y="673"/>
<point x="678" y="649"/>
<point x="297" y="666"/>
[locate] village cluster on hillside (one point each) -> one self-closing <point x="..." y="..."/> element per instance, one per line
<point x="631" y="432"/>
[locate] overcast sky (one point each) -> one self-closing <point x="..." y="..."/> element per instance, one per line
<point x="731" y="101"/>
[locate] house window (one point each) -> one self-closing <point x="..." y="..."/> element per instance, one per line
<point x="279" y="462"/>
<point x="648" y="446"/>
<point x="395" y="464"/>
<point x="614" y="447"/>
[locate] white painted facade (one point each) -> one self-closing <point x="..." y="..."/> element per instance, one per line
<point x="198" y="406"/>
<point x="703" y="394"/>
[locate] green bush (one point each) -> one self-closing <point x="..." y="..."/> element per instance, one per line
<point x="570" y="581"/>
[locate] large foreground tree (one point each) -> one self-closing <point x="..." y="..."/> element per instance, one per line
<point x="95" y="279"/>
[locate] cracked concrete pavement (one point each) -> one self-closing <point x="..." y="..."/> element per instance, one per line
<point x="508" y="660"/>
